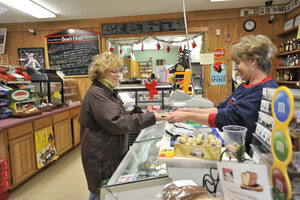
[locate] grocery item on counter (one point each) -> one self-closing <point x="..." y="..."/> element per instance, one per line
<point x="185" y="190"/>
<point x="26" y="111"/>
<point x="5" y="112"/>
<point x="179" y="129"/>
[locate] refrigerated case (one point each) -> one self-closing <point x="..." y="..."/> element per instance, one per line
<point x="138" y="94"/>
<point x="140" y="174"/>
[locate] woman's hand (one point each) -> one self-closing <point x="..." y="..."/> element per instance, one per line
<point x="158" y="117"/>
<point x="177" y="116"/>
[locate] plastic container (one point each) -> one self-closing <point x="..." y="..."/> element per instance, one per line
<point x="234" y="134"/>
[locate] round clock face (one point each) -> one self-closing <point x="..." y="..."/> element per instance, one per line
<point x="249" y="25"/>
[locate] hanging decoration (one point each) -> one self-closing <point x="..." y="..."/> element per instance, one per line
<point x="142" y="46"/>
<point x="158" y="41"/>
<point x="121" y="51"/>
<point x="158" y="46"/>
<point x="194" y="44"/>
<point x="180" y="49"/>
<point x="168" y="48"/>
<point x="111" y="49"/>
<point x="131" y="49"/>
<point x="228" y="38"/>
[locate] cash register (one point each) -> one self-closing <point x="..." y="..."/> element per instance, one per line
<point x="183" y="100"/>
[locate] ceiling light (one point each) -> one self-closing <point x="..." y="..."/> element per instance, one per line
<point x="30" y="8"/>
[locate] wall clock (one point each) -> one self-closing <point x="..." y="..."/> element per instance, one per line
<point x="249" y="25"/>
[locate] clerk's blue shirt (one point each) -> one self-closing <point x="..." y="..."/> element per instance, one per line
<point x="241" y="107"/>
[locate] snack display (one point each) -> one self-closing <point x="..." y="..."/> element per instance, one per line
<point x="27" y="111"/>
<point x="204" y="146"/>
<point x="185" y="190"/>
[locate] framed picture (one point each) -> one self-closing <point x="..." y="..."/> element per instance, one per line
<point x="31" y="57"/>
<point x="289" y="24"/>
<point x="3" y="32"/>
<point x="297" y="20"/>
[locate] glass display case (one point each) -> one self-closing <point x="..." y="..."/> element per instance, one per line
<point x="140" y="169"/>
<point x="138" y="95"/>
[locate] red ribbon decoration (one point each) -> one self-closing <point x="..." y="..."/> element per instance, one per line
<point x="151" y="87"/>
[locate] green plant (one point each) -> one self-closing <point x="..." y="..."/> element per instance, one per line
<point x="104" y="182"/>
<point x="240" y="151"/>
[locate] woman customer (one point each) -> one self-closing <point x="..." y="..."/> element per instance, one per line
<point x="252" y="56"/>
<point x="104" y="122"/>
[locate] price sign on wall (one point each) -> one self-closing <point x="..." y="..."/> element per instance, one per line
<point x="71" y="50"/>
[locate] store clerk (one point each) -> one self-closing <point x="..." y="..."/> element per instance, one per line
<point x="104" y="124"/>
<point x="252" y="56"/>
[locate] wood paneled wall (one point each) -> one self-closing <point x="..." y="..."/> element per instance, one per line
<point x="228" y="21"/>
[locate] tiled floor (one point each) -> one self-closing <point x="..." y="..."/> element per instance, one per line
<point x="63" y="180"/>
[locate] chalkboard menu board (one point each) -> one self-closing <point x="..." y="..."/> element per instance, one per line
<point x="72" y="51"/>
<point x="143" y="27"/>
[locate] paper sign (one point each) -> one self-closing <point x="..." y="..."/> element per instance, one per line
<point x="244" y="181"/>
<point x="207" y="58"/>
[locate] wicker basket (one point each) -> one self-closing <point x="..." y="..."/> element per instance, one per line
<point x="24" y="115"/>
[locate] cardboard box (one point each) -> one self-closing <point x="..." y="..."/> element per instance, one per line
<point x="4" y="187"/>
<point x="4" y="196"/>
<point x="4" y="176"/>
<point x="3" y="165"/>
<point x="197" y="151"/>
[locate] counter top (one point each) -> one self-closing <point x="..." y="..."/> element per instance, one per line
<point x="141" y="86"/>
<point x="9" y="122"/>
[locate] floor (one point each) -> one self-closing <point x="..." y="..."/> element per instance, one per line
<point x="63" y="180"/>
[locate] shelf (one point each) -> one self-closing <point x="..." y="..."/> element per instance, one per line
<point x="289" y="31"/>
<point x="262" y="142"/>
<point x="283" y="68"/>
<point x="15" y="82"/>
<point x="287" y="53"/>
<point x="289" y="82"/>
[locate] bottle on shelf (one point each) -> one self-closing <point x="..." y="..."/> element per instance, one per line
<point x="294" y="45"/>
<point x="282" y="47"/>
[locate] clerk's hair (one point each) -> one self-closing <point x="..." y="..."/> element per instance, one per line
<point x="103" y="62"/>
<point x="259" y="46"/>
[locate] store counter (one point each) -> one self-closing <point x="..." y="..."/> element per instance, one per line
<point x="11" y="121"/>
<point x="143" y="174"/>
<point x="20" y="139"/>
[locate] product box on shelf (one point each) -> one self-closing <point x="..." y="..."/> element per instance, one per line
<point x="4" y="187"/>
<point x="4" y="176"/>
<point x="3" y="165"/>
<point x="4" y="196"/>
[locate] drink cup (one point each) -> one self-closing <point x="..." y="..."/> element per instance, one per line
<point x="234" y="134"/>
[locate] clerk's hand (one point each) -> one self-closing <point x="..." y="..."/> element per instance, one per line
<point x="177" y="116"/>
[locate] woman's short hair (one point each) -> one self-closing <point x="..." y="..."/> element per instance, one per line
<point x="103" y="62"/>
<point x="259" y="46"/>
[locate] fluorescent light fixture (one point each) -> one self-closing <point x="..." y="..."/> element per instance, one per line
<point x="30" y="8"/>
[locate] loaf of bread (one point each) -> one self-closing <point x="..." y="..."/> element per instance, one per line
<point x="191" y="192"/>
<point x="249" y="178"/>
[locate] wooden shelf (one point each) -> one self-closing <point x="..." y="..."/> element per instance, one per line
<point x="289" y="67"/>
<point x="287" y="53"/>
<point x="287" y="32"/>
<point x="289" y="82"/>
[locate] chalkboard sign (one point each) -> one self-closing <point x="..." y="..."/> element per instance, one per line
<point x="143" y="27"/>
<point x="72" y="51"/>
